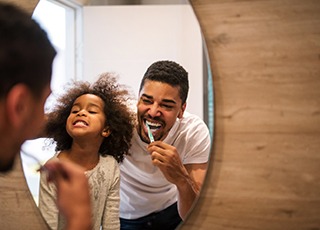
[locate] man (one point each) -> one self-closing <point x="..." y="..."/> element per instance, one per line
<point x="26" y="57"/>
<point x="160" y="180"/>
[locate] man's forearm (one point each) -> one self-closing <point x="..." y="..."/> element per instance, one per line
<point x="187" y="194"/>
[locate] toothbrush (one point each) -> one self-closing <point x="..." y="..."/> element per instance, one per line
<point x="150" y="134"/>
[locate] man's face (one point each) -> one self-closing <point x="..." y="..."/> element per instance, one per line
<point x="30" y="124"/>
<point x="159" y="106"/>
<point x="37" y="118"/>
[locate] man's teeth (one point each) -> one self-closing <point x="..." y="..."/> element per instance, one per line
<point x="153" y="125"/>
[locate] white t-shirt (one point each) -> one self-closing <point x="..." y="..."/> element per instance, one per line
<point x="143" y="188"/>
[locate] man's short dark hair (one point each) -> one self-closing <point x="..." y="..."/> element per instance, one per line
<point x="26" y="54"/>
<point x="168" y="72"/>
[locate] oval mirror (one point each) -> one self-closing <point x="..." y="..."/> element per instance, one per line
<point x="115" y="36"/>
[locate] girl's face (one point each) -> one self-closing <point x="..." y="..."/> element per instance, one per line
<point x="87" y="118"/>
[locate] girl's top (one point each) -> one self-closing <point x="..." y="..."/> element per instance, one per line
<point x="104" y="182"/>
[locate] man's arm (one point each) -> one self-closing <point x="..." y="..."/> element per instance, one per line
<point x="188" y="178"/>
<point x="189" y="190"/>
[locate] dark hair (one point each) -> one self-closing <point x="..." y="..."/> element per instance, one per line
<point x="168" y="72"/>
<point x="119" y="118"/>
<point x="26" y="54"/>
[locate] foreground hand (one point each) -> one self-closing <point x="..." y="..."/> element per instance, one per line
<point x="73" y="197"/>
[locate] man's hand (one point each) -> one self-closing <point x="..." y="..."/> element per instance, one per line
<point x="188" y="178"/>
<point x="168" y="160"/>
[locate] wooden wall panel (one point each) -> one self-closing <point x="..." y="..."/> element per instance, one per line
<point x="28" y="5"/>
<point x="265" y="168"/>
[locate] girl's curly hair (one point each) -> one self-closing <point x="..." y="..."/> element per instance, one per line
<point x="119" y="118"/>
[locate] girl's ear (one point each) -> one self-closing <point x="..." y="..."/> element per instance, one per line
<point x="106" y="132"/>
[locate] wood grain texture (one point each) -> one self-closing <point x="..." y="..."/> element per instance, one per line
<point x="265" y="168"/>
<point x="27" y="5"/>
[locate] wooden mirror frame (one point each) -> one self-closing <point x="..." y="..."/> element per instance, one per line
<point x="264" y="170"/>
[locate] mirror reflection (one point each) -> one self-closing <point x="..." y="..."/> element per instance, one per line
<point x="126" y="40"/>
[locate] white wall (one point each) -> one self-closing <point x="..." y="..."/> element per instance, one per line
<point x="127" y="39"/>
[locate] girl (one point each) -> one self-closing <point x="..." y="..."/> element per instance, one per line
<point x="92" y="126"/>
